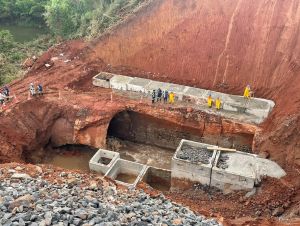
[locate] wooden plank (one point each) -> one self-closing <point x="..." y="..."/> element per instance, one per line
<point x="221" y="149"/>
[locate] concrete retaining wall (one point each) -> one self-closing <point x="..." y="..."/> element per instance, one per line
<point x="260" y="108"/>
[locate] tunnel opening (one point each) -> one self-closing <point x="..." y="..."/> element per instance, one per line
<point x="69" y="156"/>
<point x="153" y="141"/>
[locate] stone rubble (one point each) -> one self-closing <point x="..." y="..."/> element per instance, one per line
<point x="195" y="154"/>
<point x="37" y="202"/>
<point x="222" y="161"/>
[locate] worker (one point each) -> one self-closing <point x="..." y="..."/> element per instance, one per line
<point x="218" y="103"/>
<point x="6" y="92"/>
<point x="32" y="89"/>
<point x="159" y="95"/>
<point x="153" y="96"/>
<point x="40" y="89"/>
<point x="171" y="98"/>
<point x="166" y="96"/>
<point x="247" y="92"/>
<point x="209" y="101"/>
<point x="2" y="98"/>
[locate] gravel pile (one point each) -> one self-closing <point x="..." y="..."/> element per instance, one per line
<point x="194" y="154"/>
<point x="243" y="148"/>
<point x="222" y="161"/>
<point x="36" y="202"/>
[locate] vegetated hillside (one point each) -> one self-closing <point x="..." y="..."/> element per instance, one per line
<point x="221" y="45"/>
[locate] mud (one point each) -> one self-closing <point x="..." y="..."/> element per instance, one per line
<point x="127" y="178"/>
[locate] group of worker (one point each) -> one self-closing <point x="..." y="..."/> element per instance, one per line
<point x="248" y="93"/>
<point x="4" y="95"/>
<point x="210" y="102"/>
<point x="38" y="90"/>
<point x="159" y="95"/>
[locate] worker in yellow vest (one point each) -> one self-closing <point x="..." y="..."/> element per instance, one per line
<point x="209" y="101"/>
<point x="171" y="97"/>
<point x="218" y="103"/>
<point x="247" y="92"/>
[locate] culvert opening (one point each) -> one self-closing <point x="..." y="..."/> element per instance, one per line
<point x="153" y="141"/>
<point x="70" y="156"/>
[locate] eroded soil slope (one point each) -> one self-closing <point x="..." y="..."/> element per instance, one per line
<point x="220" y="45"/>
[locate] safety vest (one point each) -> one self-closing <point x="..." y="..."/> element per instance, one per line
<point x="218" y="103"/>
<point x="209" y="101"/>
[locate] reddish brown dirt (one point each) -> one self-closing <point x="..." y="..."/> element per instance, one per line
<point x="210" y="44"/>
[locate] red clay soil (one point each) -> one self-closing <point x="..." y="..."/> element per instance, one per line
<point x="220" y="45"/>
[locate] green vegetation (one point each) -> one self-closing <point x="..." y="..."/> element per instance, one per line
<point x="12" y="54"/>
<point x="63" y="18"/>
<point x="82" y="18"/>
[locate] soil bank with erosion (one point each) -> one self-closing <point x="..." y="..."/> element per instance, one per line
<point x="235" y="44"/>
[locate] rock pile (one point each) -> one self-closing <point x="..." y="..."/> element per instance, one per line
<point x="36" y="202"/>
<point x="195" y="154"/>
<point x="222" y="161"/>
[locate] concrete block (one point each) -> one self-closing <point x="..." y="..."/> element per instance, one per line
<point x="155" y="85"/>
<point x="103" y="160"/>
<point x="126" y="173"/>
<point x="240" y="172"/>
<point x="187" y="170"/>
<point x="102" y="79"/>
<point x="138" y="84"/>
<point x="120" y="82"/>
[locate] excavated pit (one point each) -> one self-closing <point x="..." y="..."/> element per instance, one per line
<point x="153" y="141"/>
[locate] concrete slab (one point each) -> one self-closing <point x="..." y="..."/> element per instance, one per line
<point x="126" y="173"/>
<point x="254" y="110"/>
<point x="120" y="82"/>
<point x="138" y="84"/>
<point x="239" y="173"/>
<point x="197" y="93"/>
<point x="266" y="167"/>
<point x="155" y="85"/>
<point x="103" y="160"/>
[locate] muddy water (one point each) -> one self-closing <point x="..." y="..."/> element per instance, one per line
<point x="142" y="153"/>
<point x="127" y="178"/>
<point x="70" y="157"/>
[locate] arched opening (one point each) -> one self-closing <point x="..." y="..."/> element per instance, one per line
<point x="153" y="141"/>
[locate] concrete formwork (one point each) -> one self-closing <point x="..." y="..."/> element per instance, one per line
<point x="102" y="80"/>
<point x="259" y="108"/>
<point x="126" y="173"/>
<point x="240" y="173"/>
<point x="103" y="160"/>
<point x="190" y="171"/>
<point x="158" y="178"/>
